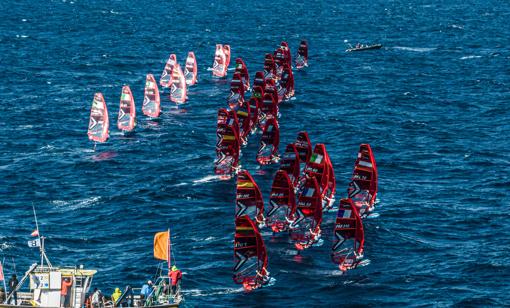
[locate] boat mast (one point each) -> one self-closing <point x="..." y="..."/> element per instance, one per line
<point x="169" y="252"/>
<point x="44" y="257"/>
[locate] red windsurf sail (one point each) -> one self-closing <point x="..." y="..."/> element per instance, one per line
<point x="286" y="90"/>
<point x="318" y="167"/>
<point x="250" y="255"/>
<point x="282" y="203"/>
<point x="271" y="89"/>
<point x="288" y="56"/>
<point x="166" y="77"/>
<point x="363" y="187"/>
<point x="268" y="109"/>
<point x="347" y="250"/>
<point x="127" y="111"/>
<point x="302" y="55"/>
<point x="190" y="69"/>
<point x="151" y="106"/>
<point x="279" y="60"/>
<point x="268" y="149"/>
<point x="243" y="71"/>
<point x="220" y="62"/>
<point x="98" y="121"/>
<point x="306" y="228"/>
<point x="237" y="85"/>
<point x="290" y="164"/>
<point x="245" y="121"/>
<point x="259" y="80"/>
<point x="226" y="51"/>
<point x="228" y="144"/>
<point x="304" y="146"/>
<point x="254" y="113"/>
<point x="249" y="200"/>
<point x="178" y="92"/>
<point x="269" y="67"/>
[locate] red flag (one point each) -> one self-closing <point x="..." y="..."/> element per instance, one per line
<point x="35" y="233"/>
<point x="1" y="272"/>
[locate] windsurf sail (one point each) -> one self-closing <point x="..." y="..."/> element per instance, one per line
<point x="190" y="69"/>
<point x="318" y="167"/>
<point x="151" y="106"/>
<point x="286" y="83"/>
<point x="220" y="62"/>
<point x="127" y="111"/>
<point x="227" y="144"/>
<point x="363" y="187"/>
<point x="249" y="199"/>
<point x="349" y="238"/>
<point x="306" y="228"/>
<point x="272" y="89"/>
<point x="250" y="256"/>
<point x="259" y="80"/>
<point x="178" y="92"/>
<point x="302" y="55"/>
<point x="254" y="106"/>
<point x="279" y="60"/>
<point x="237" y="85"/>
<point x="269" y="67"/>
<point x="226" y="51"/>
<point x="235" y="99"/>
<point x="304" y="146"/>
<point x="245" y="121"/>
<point x="166" y="77"/>
<point x="288" y="57"/>
<point x="243" y="71"/>
<point x="269" y="108"/>
<point x="268" y="149"/>
<point x="282" y="203"/>
<point x="98" y="122"/>
<point x="290" y="164"/>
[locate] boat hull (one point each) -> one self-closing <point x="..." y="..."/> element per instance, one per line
<point x="377" y="46"/>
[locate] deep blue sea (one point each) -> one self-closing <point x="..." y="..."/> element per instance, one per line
<point x="433" y="103"/>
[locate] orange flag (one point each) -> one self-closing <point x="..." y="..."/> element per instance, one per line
<point x="162" y="246"/>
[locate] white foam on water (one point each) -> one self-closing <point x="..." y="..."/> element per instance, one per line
<point x="416" y="49"/>
<point x="222" y="291"/>
<point x="75" y="204"/>
<point x="470" y="57"/>
<point x="207" y="179"/>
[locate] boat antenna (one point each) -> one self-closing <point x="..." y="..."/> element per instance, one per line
<point x="41" y="239"/>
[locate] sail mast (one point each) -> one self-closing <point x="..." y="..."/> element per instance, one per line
<point x="169" y="251"/>
<point x="41" y="241"/>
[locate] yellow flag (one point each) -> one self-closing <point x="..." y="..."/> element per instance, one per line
<point x="161" y="242"/>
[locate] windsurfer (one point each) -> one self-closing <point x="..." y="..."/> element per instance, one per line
<point x="175" y="276"/>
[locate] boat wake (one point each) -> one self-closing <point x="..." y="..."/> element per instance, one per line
<point x="470" y="57"/>
<point x="75" y="204"/>
<point x="222" y="291"/>
<point x="415" y="49"/>
<point x="207" y="179"/>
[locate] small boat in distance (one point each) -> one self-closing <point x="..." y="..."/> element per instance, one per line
<point x="361" y="47"/>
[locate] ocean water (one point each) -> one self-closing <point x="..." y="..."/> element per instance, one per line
<point x="432" y="103"/>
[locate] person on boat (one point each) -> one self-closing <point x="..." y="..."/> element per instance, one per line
<point x="176" y="276"/>
<point x="2" y="295"/>
<point x="166" y="289"/>
<point x="96" y="298"/>
<point x="13" y="283"/>
<point x="116" y="295"/>
<point x="64" y="292"/>
<point x="358" y="45"/>
<point x="146" y="290"/>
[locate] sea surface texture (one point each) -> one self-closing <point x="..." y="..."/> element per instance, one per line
<point x="433" y="103"/>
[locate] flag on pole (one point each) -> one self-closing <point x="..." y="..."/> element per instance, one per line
<point x="2" y="278"/>
<point x="35" y="232"/>
<point x="34" y="243"/>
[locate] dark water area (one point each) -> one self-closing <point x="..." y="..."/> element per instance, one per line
<point x="433" y="103"/>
